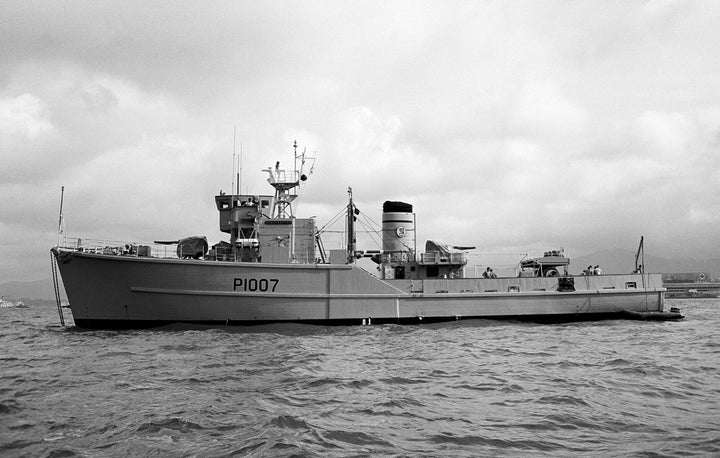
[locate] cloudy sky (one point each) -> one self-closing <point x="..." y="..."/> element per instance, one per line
<point x="511" y="126"/>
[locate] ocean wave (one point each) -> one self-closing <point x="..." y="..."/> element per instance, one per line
<point x="354" y="438"/>
<point x="172" y="423"/>
<point x="9" y="406"/>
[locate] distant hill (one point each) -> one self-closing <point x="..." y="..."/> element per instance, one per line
<point x="611" y="262"/>
<point x="38" y="289"/>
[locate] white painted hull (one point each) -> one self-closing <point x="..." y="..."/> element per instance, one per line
<point x="127" y="291"/>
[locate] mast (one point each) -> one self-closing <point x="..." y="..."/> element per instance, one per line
<point x="640" y="256"/>
<point x="233" y="183"/>
<point x="351" y="241"/>
<point x="60" y="218"/>
<point x="286" y="182"/>
<point x="240" y="169"/>
<point x="295" y="155"/>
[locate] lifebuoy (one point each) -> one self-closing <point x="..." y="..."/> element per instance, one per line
<point x="551" y="273"/>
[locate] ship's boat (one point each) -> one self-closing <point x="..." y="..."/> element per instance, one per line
<point x="274" y="268"/>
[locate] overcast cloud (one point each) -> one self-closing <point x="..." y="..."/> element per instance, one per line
<point x="512" y="126"/>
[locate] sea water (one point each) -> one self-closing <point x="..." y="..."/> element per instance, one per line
<point x="467" y="388"/>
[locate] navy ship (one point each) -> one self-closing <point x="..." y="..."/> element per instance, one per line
<point x="692" y="285"/>
<point x="4" y="303"/>
<point x="273" y="268"/>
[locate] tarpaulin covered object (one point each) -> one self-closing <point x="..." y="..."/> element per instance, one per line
<point x="192" y="247"/>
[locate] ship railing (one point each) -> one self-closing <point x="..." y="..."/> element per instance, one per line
<point x="282" y="176"/>
<point x="432" y="257"/>
<point x="396" y="256"/>
<point x="165" y="250"/>
<point x="535" y="254"/>
<point x="115" y="247"/>
<point x="435" y="257"/>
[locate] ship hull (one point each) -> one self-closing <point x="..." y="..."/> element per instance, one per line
<point x="107" y="291"/>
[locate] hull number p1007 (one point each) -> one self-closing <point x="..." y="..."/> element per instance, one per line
<point x="255" y="284"/>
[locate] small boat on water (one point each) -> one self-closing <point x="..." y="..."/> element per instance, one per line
<point x="10" y="304"/>
<point x="274" y="268"/>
